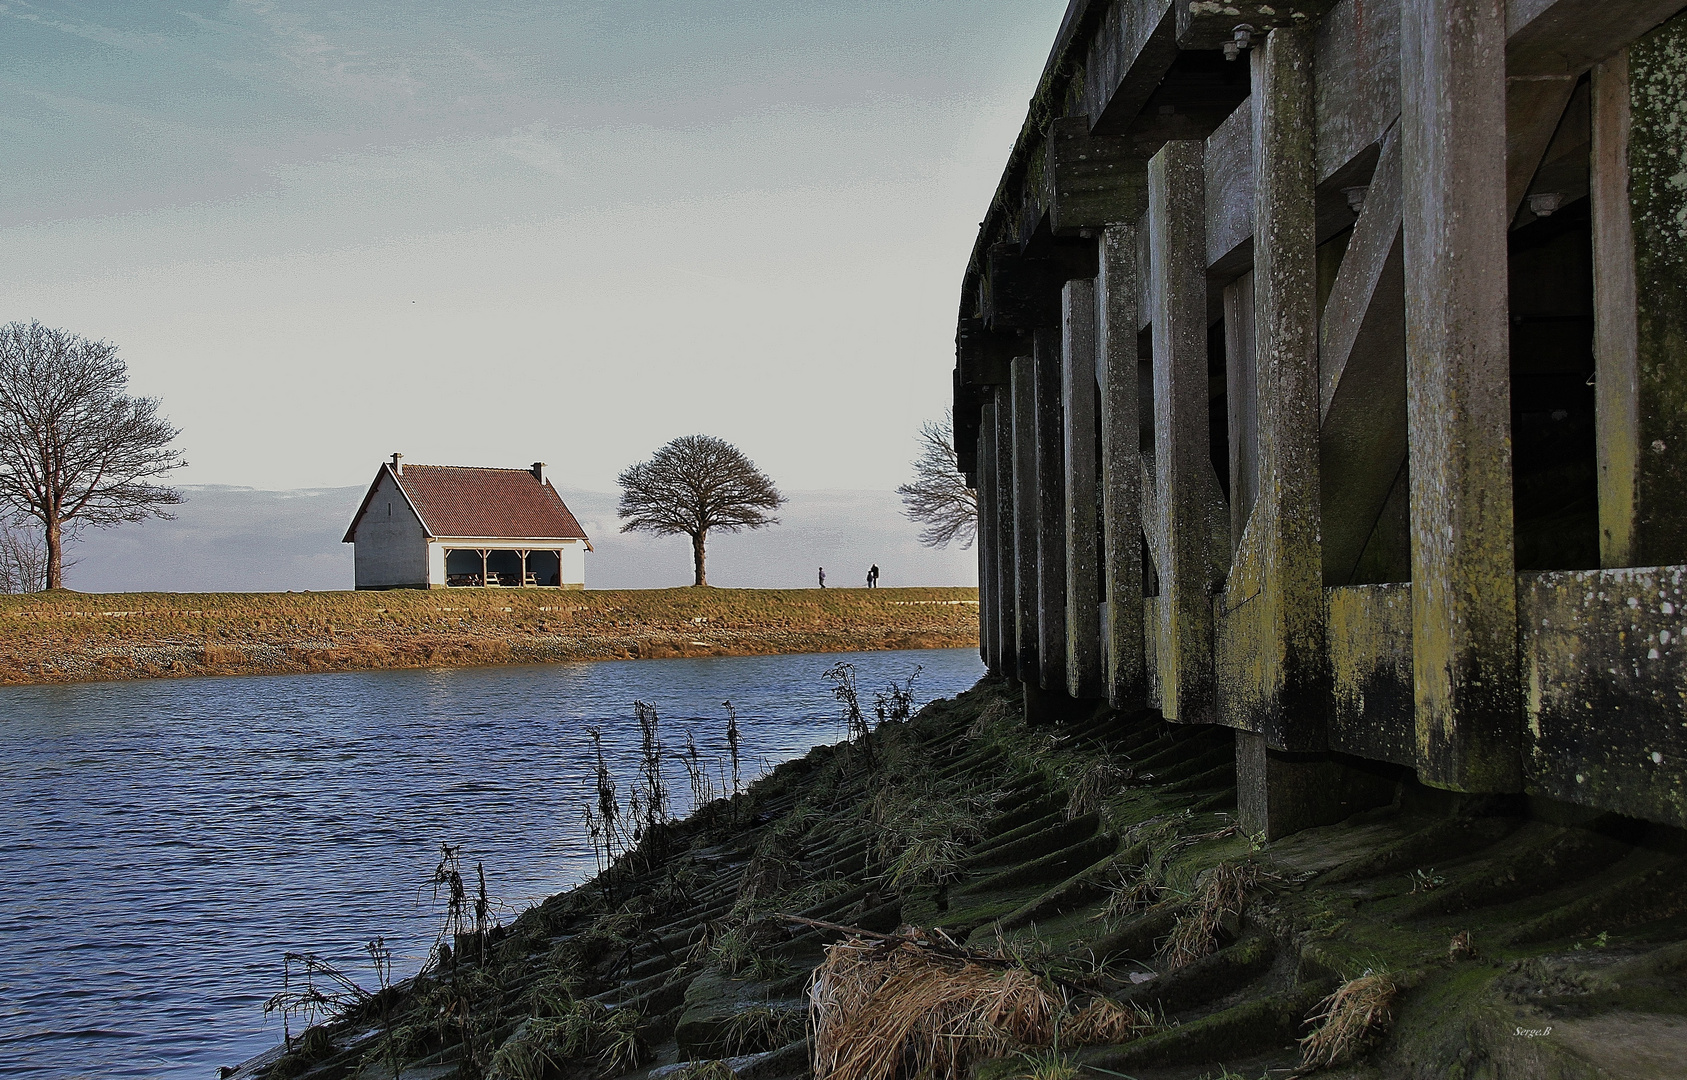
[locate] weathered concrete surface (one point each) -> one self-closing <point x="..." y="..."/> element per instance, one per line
<point x="1025" y="517"/>
<point x="1270" y="644"/>
<point x="1458" y="392"/>
<point x="1606" y="682"/>
<point x="1657" y="162"/>
<point x="1186" y="488"/>
<point x="1369" y="633"/>
<point x="1121" y="466"/>
<point x="1051" y="513"/>
<point x="1279" y="793"/>
<point x="1084" y="672"/>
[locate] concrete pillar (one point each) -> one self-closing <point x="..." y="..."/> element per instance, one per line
<point x="1464" y="588"/>
<point x="1184" y="479"/>
<point x="1051" y="513"/>
<point x="1006" y="621"/>
<point x="1083" y="571"/>
<point x="1278" y="793"/>
<point x="1121" y="466"/>
<point x="989" y="605"/>
<point x="1289" y="622"/>
<point x="1640" y="300"/>
<point x="1024" y="401"/>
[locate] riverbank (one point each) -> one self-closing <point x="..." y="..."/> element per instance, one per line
<point x="963" y="896"/>
<point x="79" y="637"/>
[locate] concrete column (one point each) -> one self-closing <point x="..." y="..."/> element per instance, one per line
<point x="1006" y="625"/>
<point x="1640" y="300"/>
<point x="1051" y="513"/>
<point x="1121" y="466"/>
<point x="1083" y="572"/>
<point x="1290" y="621"/>
<point x="1024" y="400"/>
<point x="989" y="606"/>
<point x="1464" y="588"/>
<point x="1184" y="479"/>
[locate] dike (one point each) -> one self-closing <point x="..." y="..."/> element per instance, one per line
<point x="63" y="636"/>
<point x="961" y="895"/>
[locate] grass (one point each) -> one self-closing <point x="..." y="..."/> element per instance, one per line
<point x="68" y="636"/>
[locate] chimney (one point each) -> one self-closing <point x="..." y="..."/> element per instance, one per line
<point x="398" y="464"/>
<point x="538" y="471"/>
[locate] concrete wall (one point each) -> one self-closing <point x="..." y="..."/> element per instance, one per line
<point x="391" y="548"/>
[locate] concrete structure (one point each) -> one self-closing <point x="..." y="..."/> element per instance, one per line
<point x="1365" y="324"/>
<point x="440" y="526"/>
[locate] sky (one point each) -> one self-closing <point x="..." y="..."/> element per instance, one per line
<point x="494" y="233"/>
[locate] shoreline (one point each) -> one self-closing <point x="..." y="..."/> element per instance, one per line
<point x="85" y="637"/>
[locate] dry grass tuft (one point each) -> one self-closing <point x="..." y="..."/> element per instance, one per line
<point x="1094" y="785"/>
<point x="1218" y="900"/>
<point x="1461" y="947"/>
<point x="884" y="1010"/>
<point x="1347" y="1019"/>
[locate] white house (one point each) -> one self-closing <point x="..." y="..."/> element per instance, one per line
<point x="440" y="526"/>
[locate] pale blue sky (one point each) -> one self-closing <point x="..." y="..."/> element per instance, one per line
<point x="484" y="233"/>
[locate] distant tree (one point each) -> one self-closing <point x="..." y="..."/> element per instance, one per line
<point x="75" y="450"/>
<point x="23" y="558"/>
<point x="938" y="497"/>
<point x="693" y="485"/>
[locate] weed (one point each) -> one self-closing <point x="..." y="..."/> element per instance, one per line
<point x="1425" y="880"/>
<point x="1347" y="1019"/>
<point x="732" y="740"/>
<point x="763" y="1027"/>
<point x="705" y="1070"/>
<point x="325" y="991"/>
<point x="1046" y="1065"/>
<point x="1461" y="947"/>
<point x="1095" y="782"/>
<point x="1217" y="904"/>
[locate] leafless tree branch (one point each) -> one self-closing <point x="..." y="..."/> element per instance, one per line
<point x="938" y="497"/>
<point x="693" y="485"/>
<point x="75" y="450"/>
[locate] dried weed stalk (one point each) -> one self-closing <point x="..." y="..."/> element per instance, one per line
<point x="1347" y="1019"/>
<point x="1219" y="897"/>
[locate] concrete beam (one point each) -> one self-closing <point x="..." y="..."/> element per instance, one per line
<point x="1210" y="26"/>
<point x="1090" y="181"/>
<point x="1358" y="64"/>
<point x="1083" y="541"/>
<point x="1464" y="600"/>
<point x="1024" y="398"/>
<point x="1270" y="639"/>
<point x="1121" y="466"/>
<point x="1362" y="374"/>
<point x="1051" y="513"/>
<point x="982" y="357"/>
<point x="1188" y="499"/>
<point x="1241" y="387"/>
<point x="1369" y="638"/>
<point x="1567" y="37"/>
<point x="1230" y="195"/>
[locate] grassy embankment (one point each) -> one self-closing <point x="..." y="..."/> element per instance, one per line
<point x="1055" y="904"/>
<point x="74" y="637"/>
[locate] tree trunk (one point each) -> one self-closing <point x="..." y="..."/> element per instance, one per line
<point x="697" y="540"/>
<point x="55" y="553"/>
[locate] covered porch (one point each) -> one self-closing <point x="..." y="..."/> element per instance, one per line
<point x="505" y="568"/>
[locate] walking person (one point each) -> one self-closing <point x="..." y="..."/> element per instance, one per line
<point x="873" y="576"/>
<point x="822" y="577"/>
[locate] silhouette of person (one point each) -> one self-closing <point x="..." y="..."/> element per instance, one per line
<point x="873" y="576"/>
<point x="822" y="577"/>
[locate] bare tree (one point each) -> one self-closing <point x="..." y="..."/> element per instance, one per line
<point x="23" y="558"/>
<point x="938" y="497"/>
<point x="75" y="450"/>
<point x="693" y="485"/>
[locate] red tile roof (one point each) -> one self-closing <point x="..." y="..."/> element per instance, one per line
<point x="454" y="500"/>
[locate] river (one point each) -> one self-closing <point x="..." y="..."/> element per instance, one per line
<point x="163" y="843"/>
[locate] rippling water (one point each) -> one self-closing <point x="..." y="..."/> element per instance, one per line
<point x="163" y="843"/>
